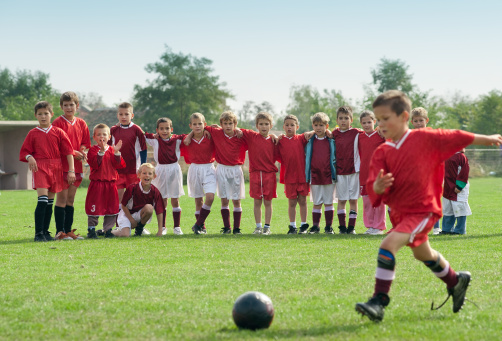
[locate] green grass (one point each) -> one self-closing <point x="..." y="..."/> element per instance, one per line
<point x="183" y="287"/>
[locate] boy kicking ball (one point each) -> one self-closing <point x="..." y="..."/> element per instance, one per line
<point x="410" y="181"/>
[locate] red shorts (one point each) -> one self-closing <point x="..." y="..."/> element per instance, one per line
<point x="49" y="175"/>
<point x="78" y="180"/>
<point x="363" y="190"/>
<point x="125" y="180"/>
<point x="292" y="191"/>
<point x="102" y="198"/>
<point x="418" y="225"/>
<point x="262" y="185"/>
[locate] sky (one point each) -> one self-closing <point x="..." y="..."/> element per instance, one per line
<point x="258" y="48"/>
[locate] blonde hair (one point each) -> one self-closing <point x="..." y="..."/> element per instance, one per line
<point x="197" y="116"/>
<point x="263" y="115"/>
<point x="100" y="126"/>
<point x="419" y="112"/>
<point x="228" y="116"/>
<point x="292" y="117"/>
<point x="147" y="165"/>
<point x="320" y="117"/>
<point x="367" y="113"/>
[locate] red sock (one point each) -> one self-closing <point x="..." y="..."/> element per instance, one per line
<point x="382" y="286"/>
<point x="352" y="218"/>
<point x="164" y="218"/>
<point x="328" y="215"/>
<point x="450" y="279"/>
<point x="177" y="218"/>
<point x="225" y="215"/>
<point x="237" y="219"/>
<point x="341" y="219"/>
<point x="316" y="218"/>
<point x="202" y="216"/>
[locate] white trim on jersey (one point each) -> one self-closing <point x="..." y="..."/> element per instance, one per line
<point x="357" y="157"/>
<point x="45" y="130"/>
<point x="67" y="120"/>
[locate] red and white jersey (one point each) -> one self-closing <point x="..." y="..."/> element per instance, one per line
<point x="367" y="144"/>
<point x="166" y="151"/>
<point x="261" y="152"/>
<point x="79" y="135"/>
<point x="133" y="141"/>
<point x="320" y="165"/>
<point x="229" y="150"/>
<point x="291" y="152"/>
<point x="198" y="151"/>
<point x="456" y="169"/>
<point x="135" y="198"/>
<point x="347" y="152"/>
<point x="415" y="162"/>
<point x="46" y="143"/>
<point x="104" y="167"/>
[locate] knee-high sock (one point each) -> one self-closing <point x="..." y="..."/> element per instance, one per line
<point x="177" y="216"/>
<point x="48" y="214"/>
<point x="328" y="215"/>
<point x="225" y="215"/>
<point x="446" y="274"/>
<point x="59" y="216"/>
<point x="352" y="218"/>
<point x="68" y="218"/>
<point x="237" y="217"/>
<point x="40" y="213"/>
<point x="204" y="212"/>
<point x="341" y="217"/>
<point x="385" y="271"/>
<point x="316" y="216"/>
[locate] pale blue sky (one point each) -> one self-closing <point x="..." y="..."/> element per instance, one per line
<point x="259" y="48"/>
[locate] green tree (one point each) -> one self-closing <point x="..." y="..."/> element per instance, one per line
<point x="20" y="91"/>
<point x="487" y="118"/>
<point x="183" y="84"/>
<point x="392" y="75"/>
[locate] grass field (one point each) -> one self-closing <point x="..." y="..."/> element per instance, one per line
<point x="183" y="287"/>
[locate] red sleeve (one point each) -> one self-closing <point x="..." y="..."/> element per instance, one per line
<point x="141" y="139"/>
<point x="149" y="136"/>
<point x="377" y="163"/>
<point x="92" y="158"/>
<point x="247" y="134"/>
<point x="26" y="149"/>
<point x="159" y="203"/>
<point x="464" y="171"/>
<point x="65" y="146"/>
<point x="86" y="136"/>
<point x="304" y="141"/>
<point x="450" y="141"/>
<point x="127" y="194"/>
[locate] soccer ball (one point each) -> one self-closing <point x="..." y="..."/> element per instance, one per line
<point x="253" y="310"/>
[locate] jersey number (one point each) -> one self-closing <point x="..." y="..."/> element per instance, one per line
<point x="93" y="208"/>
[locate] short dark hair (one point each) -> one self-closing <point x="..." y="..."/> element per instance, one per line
<point x="67" y="97"/>
<point x="395" y="99"/>
<point x="164" y="120"/>
<point x="367" y="113"/>
<point x="344" y="109"/>
<point x="44" y="105"/>
<point x="126" y="105"/>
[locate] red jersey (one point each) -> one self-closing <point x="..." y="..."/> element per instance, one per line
<point x="167" y="151"/>
<point x="415" y="162"/>
<point x="347" y="152"/>
<point x="133" y="141"/>
<point x="135" y="198"/>
<point x="104" y="167"/>
<point x="456" y="169"/>
<point x="79" y="135"/>
<point x="261" y="152"/>
<point x="229" y="150"/>
<point x="320" y="167"/>
<point x="367" y="145"/>
<point x="198" y="151"/>
<point x="46" y="143"/>
<point x="291" y="152"/>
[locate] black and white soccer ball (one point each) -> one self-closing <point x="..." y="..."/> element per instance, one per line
<point x="253" y="310"/>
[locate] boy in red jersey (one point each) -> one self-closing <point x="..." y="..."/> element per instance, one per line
<point x="43" y="149"/>
<point x="374" y="217"/>
<point x="168" y="179"/>
<point x="138" y="204"/>
<point x="320" y="172"/>
<point x="78" y="133"/>
<point x="347" y="168"/>
<point x="291" y="148"/>
<point x="230" y="152"/>
<point x="201" y="177"/>
<point x="455" y="194"/>
<point x="410" y="182"/>
<point x="133" y="146"/>
<point x="102" y="198"/>
<point x="262" y="169"/>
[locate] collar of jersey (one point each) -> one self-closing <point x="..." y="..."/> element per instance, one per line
<point x="199" y="141"/>
<point x="141" y="188"/>
<point x="370" y="135"/>
<point x="319" y="138"/>
<point x="229" y="137"/>
<point x="45" y="130"/>
<point x="399" y="143"/>
<point x="127" y="126"/>
<point x="67" y="120"/>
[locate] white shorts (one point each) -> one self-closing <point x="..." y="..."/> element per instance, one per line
<point x="123" y="221"/>
<point x="169" y="180"/>
<point x="456" y="208"/>
<point x="201" y="179"/>
<point x="323" y="194"/>
<point x="347" y="187"/>
<point x="230" y="182"/>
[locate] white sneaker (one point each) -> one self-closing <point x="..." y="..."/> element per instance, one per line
<point x="164" y="231"/>
<point x="266" y="231"/>
<point x="436" y="231"/>
<point x="145" y="232"/>
<point x="258" y="230"/>
<point x="375" y="232"/>
<point x="177" y="230"/>
<point x="369" y="230"/>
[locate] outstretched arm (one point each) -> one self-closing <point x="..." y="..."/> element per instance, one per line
<point x="487" y="140"/>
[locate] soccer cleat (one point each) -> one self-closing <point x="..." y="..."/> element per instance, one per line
<point x="91" y="234"/>
<point x="48" y="237"/>
<point x="62" y="236"/>
<point x="375" y="307"/>
<point x="74" y="236"/>
<point x="258" y="230"/>
<point x="303" y="229"/>
<point x="197" y="229"/>
<point x="266" y="231"/>
<point x="351" y="230"/>
<point x="342" y="229"/>
<point x="100" y="233"/>
<point x="177" y="231"/>
<point x="138" y="231"/>
<point x="314" y="229"/>
<point x="328" y="230"/>
<point x="146" y="232"/>
<point x="226" y="230"/>
<point x="292" y="230"/>
<point x="204" y="230"/>
<point x="458" y="291"/>
<point x="39" y="237"/>
<point x="436" y="231"/>
<point x="109" y="234"/>
<point x="236" y="230"/>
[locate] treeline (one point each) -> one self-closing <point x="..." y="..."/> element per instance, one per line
<point x="182" y="84"/>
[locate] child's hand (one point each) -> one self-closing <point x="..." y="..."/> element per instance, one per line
<point x="78" y="155"/>
<point x="280" y="136"/>
<point x="274" y="138"/>
<point x="71" y="178"/>
<point x="118" y="146"/>
<point x="207" y="134"/>
<point x="495" y="140"/>
<point x="134" y="223"/>
<point x="188" y="139"/>
<point x="238" y="133"/>
<point x="102" y="145"/>
<point x="215" y="126"/>
<point x="32" y="164"/>
<point x="308" y="135"/>
<point x="457" y="190"/>
<point x="382" y="182"/>
<point x="329" y="134"/>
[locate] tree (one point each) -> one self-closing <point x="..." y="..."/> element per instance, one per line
<point x="392" y="75"/>
<point x="92" y="100"/>
<point x="20" y="91"/>
<point x="487" y="118"/>
<point x="183" y="84"/>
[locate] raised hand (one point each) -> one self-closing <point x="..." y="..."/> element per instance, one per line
<point x="118" y="146"/>
<point x="382" y="182"/>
